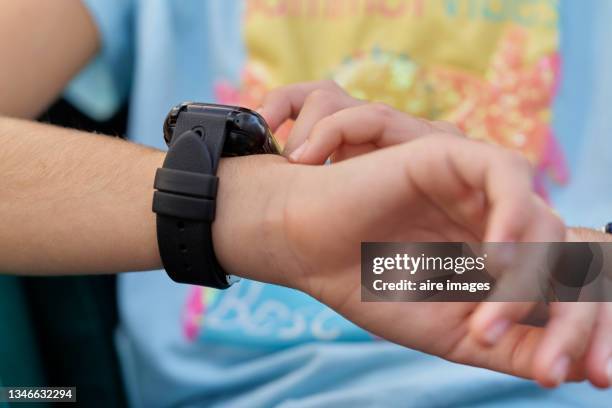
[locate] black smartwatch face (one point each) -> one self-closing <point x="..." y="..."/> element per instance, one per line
<point x="247" y="133"/>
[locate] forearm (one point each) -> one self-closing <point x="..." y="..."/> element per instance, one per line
<point x="72" y="202"/>
<point x="44" y="44"/>
<point x="78" y="203"/>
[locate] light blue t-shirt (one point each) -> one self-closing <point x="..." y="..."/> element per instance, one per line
<point x="262" y="345"/>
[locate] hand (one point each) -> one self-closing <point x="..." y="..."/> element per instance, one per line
<point x="577" y="335"/>
<point x="440" y="188"/>
<point x="598" y="357"/>
<point x="329" y="122"/>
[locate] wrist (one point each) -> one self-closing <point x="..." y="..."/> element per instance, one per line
<point x="248" y="232"/>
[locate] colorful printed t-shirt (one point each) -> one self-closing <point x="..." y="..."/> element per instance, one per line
<point x="527" y="74"/>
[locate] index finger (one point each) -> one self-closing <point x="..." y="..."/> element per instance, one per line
<point x="286" y="102"/>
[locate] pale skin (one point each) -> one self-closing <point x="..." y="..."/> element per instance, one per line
<point x="330" y="123"/>
<point x="78" y="203"/>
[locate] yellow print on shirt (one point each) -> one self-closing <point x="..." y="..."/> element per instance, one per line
<point x="490" y="66"/>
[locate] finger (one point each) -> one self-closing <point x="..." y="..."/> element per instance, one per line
<point x="491" y="320"/>
<point x="502" y="176"/>
<point x="506" y="179"/>
<point x="514" y="212"/>
<point x="447" y="127"/>
<point x="318" y="105"/>
<point x="517" y="212"/>
<point x="346" y="152"/>
<point x="599" y="357"/>
<point x="376" y="124"/>
<point x="564" y="342"/>
<point x="513" y="354"/>
<point x="285" y="103"/>
<point x="520" y="286"/>
<point x="454" y="174"/>
<point x="509" y="182"/>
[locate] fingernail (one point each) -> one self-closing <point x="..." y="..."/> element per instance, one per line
<point x="299" y="152"/>
<point x="610" y="372"/>
<point x="559" y="370"/>
<point x="496" y="331"/>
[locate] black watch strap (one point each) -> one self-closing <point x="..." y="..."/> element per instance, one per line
<point x="185" y="201"/>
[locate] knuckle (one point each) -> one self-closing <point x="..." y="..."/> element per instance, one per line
<point x="559" y="226"/>
<point x="555" y="220"/>
<point x="321" y="97"/>
<point x="555" y="224"/>
<point x="428" y="127"/>
<point x="330" y="84"/>
<point x="382" y="109"/>
<point x="275" y="94"/>
<point x="518" y="160"/>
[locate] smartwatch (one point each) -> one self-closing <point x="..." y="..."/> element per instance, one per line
<point x="198" y="135"/>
